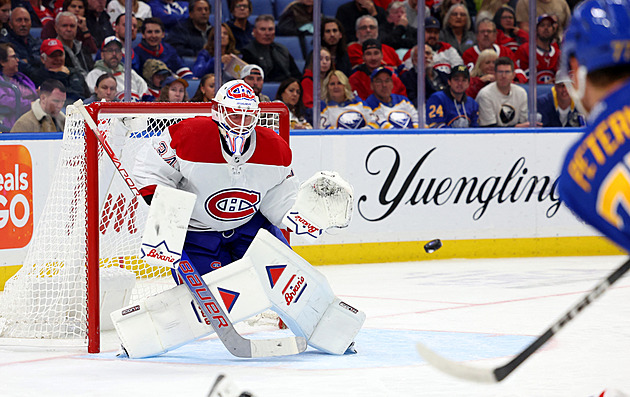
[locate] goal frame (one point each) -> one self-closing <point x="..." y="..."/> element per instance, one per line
<point x="92" y="188"/>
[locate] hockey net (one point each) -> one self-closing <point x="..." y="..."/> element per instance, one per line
<point x="55" y="295"/>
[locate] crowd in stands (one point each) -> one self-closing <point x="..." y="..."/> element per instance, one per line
<point x="476" y="59"/>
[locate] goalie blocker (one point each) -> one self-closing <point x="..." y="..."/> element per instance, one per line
<point x="269" y="276"/>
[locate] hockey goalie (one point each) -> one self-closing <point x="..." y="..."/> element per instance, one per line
<point x="219" y="190"/>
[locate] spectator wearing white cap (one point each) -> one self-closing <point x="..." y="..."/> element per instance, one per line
<point x="54" y="58"/>
<point x="111" y="62"/>
<point x="255" y="77"/>
<point x="556" y="108"/>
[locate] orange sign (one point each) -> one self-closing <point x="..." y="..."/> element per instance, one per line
<point x="16" y="196"/>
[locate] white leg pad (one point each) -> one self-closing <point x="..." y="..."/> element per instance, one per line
<point x="302" y="296"/>
<point x="167" y="320"/>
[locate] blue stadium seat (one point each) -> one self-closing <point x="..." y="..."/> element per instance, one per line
<point x="189" y="61"/>
<point x="279" y="6"/>
<point x="329" y="7"/>
<point x="293" y="44"/>
<point x="541" y="89"/>
<point x="270" y="89"/>
<point x="260" y="7"/>
<point x="300" y="64"/>
<point x="192" y="87"/>
<point x="137" y="40"/>
<point x="36" y="32"/>
<point x="308" y="42"/>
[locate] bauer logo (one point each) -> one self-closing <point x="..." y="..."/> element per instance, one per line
<point x="16" y="197"/>
<point x="233" y="204"/>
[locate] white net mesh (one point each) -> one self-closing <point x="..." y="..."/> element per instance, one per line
<point x="46" y="299"/>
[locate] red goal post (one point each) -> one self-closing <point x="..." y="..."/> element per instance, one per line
<point x="82" y="262"/>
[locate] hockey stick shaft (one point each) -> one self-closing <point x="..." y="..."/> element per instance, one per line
<point x="226" y="332"/>
<point x="465" y="371"/>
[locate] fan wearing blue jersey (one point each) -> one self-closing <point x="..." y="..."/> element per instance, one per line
<point x="595" y="177"/>
<point x="451" y="107"/>
<point x="390" y="110"/>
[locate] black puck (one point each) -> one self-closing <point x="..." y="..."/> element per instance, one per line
<point x="433" y="246"/>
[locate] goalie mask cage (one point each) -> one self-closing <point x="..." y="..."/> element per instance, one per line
<point x="87" y="241"/>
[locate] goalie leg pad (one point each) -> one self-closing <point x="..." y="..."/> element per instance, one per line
<point x="167" y="320"/>
<point x="302" y="297"/>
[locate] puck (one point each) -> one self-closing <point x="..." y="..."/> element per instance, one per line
<point x="433" y="246"/>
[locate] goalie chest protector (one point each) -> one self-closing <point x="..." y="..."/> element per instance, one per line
<point x="229" y="189"/>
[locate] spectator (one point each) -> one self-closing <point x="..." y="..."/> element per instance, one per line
<point x="348" y="14"/>
<point x="547" y="53"/>
<point x="239" y="23"/>
<point x="154" y="73"/>
<point x="15" y="106"/>
<point x="451" y="107"/>
<point x="97" y="21"/>
<point x="45" y="114"/>
<point x="205" y="60"/>
<point x="372" y="59"/>
<point x="556" y="108"/>
<point x="189" y="35"/>
<point x="411" y="9"/>
<point x="255" y="77"/>
<point x="509" y="34"/>
<point x="290" y="93"/>
<point x="26" y="46"/>
<point x="111" y="63"/>
<point x="445" y="56"/>
<point x="557" y="8"/>
<point x="274" y="58"/>
<point x="54" y="67"/>
<point x="334" y="39"/>
<point x="76" y="56"/>
<point x="482" y="73"/>
<point x="486" y="37"/>
<point x="456" y="30"/>
<point x="391" y="110"/>
<point x="489" y="8"/>
<point x="367" y="28"/>
<point x="296" y="19"/>
<point x="433" y="79"/>
<point x="152" y="47"/>
<point x="325" y="67"/>
<point x="444" y="6"/>
<point x="104" y="89"/>
<point x="340" y="108"/>
<point x="173" y="90"/>
<point x="205" y="91"/>
<point x="39" y="13"/>
<point x="77" y="7"/>
<point x="503" y="104"/>
<point x="139" y="8"/>
<point x="5" y="14"/>
<point x="119" y="29"/>
<point x="169" y="11"/>
<point x="396" y="31"/>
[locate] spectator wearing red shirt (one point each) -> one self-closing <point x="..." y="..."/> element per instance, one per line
<point x="360" y="80"/>
<point x="486" y="38"/>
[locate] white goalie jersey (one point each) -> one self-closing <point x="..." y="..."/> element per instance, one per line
<point x="229" y="189"/>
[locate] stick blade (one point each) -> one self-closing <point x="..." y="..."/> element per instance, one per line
<point x="456" y="369"/>
<point x="278" y="347"/>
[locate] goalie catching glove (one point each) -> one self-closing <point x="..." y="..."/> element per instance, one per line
<point x="324" y="201"/>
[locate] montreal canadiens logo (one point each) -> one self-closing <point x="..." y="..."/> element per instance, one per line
<point x="241" y="91"/>
<point x="233" y="204"/>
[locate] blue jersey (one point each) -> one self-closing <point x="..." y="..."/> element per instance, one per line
<point x="443" y="111"/>
<point x="595" y="178"/>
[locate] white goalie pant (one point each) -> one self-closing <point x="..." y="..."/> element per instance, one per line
<point x="270" y="275"/>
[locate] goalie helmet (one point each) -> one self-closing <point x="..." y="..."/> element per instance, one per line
<point x="236" y="111"/>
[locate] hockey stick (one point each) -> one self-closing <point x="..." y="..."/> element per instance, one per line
<point x="496" y="375"/>
<point x="228" y="335"/>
